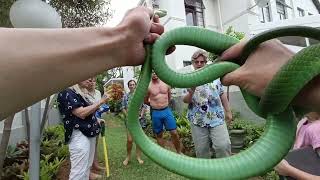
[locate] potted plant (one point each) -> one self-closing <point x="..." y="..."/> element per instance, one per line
<point x="237" y="131"/>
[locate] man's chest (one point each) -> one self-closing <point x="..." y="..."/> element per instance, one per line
<point x="158" y="89"/>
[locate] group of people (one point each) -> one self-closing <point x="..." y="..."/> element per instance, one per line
<point x="81" y="106"/>
<point x="65" y="57"/>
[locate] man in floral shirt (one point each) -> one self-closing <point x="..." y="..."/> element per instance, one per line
<point x="208" y="107"/>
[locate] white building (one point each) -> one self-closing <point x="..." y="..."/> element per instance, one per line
<point x="218" y="15"/>
<point x="245" y="16"/>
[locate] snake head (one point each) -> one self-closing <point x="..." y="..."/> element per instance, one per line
<point x="160" y="12"/>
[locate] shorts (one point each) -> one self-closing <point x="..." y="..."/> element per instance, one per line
<point x="162" y="117"/>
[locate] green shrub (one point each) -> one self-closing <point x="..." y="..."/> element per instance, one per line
<point x="53" y="152"/>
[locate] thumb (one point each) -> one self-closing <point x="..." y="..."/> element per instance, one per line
<point x="234" y="51"/>
<point x="232" y="78"/>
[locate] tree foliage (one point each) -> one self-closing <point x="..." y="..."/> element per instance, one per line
<point x="74" y="13"/>
<point x="82" y="13"/>
<point x="4" y="12"/>
<point x="230" y="32"/>
<point x="102" y="78"/>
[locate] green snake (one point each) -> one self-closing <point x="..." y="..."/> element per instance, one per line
<point x="274" y="106"/>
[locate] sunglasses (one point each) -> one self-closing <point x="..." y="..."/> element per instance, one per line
<point x="199" y="62"/>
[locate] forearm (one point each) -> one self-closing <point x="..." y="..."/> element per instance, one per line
<point x="52" y="58"/>
<point x="300" y="175"/>
<point x="188" y="98"/>
<point x="146" y="100"/>
<point x="225" y="102"/>
<point x="83" y="112"/>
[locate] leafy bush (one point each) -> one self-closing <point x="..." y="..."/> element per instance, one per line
<point x="16" y="162"/>
<point x="252" y="131"/>
<point x="48" y="168"/>
<point x="238" y="124"/>
<point x="230" y="32"/>
<point x="53" y="141"/>
<point x="184" y="131"/>
<point x="115" y="105"/>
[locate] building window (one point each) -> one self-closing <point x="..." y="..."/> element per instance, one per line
<point x="155" y="4"/>
<point x="144" y="4"/>
<point x="301" y="12"/>
<point x="265" y="15"/>
<point x="194" y="12"/>
<point x="186" y="63"/>
<point x="281" y="9"/>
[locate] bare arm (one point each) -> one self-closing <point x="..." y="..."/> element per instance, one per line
<point x="83" y="112"/>
<point x="285" y="169"/>
<point x="226" y="106"/>
<point x="58" y="58"/>
<point x="146" y="99"/>
<point x="260" y="67"/>
<point x="53" y="58"/>
<point x="188" y="98"/>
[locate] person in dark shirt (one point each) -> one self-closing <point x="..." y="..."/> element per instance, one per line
<point x="81" y="127"/>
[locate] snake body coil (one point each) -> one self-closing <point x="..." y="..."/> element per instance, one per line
<point x="279" y="135"/>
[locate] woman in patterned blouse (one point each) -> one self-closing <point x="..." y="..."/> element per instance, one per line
<point x="81" y="127"/>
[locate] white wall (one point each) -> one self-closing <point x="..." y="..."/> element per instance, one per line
<point x="230" y="9"/>
<point x="232" y="13"/>
<point x="211" y="15"/>
<point x="17" y="122"/>
<point x="307" y="5"/>
<point x="311" y="21"/>
<point x="128" y="74"/>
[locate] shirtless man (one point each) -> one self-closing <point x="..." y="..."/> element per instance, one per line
<point x="158" y="98"/>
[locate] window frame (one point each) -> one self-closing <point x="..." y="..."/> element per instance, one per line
<point x="281" y="11"/>
<point x="265" y="15"/>
<point x="196" y="8"/>
<point x="301" y="12"/>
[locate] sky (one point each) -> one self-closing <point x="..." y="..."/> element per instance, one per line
<point x="120" y="7"/>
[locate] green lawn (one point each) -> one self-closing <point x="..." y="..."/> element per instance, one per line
<point x="116" y="142"/>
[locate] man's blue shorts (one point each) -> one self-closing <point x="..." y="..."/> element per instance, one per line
<point x="162" y="117"/>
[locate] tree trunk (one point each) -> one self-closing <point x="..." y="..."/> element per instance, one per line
<point x="48" y="107"/>
<point x="5" y="140"/>
<point x="26" y="114"/>
<point x="45" y="115"/>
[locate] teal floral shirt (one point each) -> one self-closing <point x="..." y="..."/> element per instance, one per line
<point x="206" y="109"/>
<point x="125" y="103"/>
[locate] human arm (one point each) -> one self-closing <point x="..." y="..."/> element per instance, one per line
<point x="146" y="98"/>
<point x="226" y="107"/>
<point x="260" y="67"/>
<point x="285" y="169"/>
<point x="224" y="101"/>
<point x="188" y="97"/>
<point x="83" y="112"/>
<point x="31" y="58"/>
